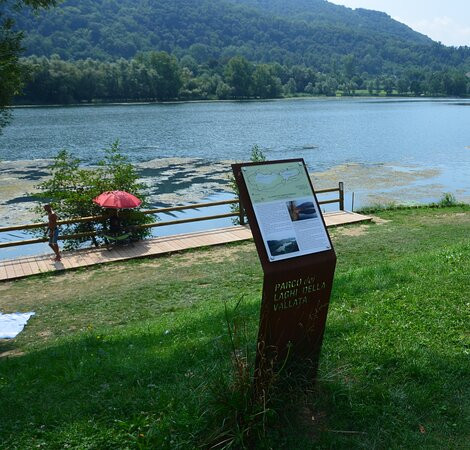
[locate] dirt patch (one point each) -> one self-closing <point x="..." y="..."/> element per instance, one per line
<point x="11" y="353"/>
<point x="74" y="285"/>
<point x="353" y="231"/>
<point x="450" y="218"/>
<point x="45" y="333"/>
<point x="217" y="254"/>
<point x="4" y="286"/>
<point x="379" y="221"/>
<point x="358" y="230"/>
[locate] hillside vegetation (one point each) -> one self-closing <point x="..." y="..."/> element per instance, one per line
<point x="314" y="33"/>
<point x="110" y="50"/>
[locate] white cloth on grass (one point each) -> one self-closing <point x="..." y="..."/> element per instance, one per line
<point x="12" y="324"/>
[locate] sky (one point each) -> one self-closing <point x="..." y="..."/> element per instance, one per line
<point x="447" y="21"/>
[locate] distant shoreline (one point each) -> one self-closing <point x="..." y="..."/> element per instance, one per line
<point x="248" y="100"/>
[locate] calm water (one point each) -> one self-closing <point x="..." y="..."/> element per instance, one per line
<point x="430" y="133"/>
<point x="404" y="150"/>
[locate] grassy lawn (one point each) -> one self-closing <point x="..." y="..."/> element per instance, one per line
<point x="137" y="355"/>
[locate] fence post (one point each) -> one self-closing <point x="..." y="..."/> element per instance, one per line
<point x="341" y="196"/>
<point x="241" y="212"/>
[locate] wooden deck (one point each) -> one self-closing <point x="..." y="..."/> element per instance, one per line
<point x="12" y="269"/>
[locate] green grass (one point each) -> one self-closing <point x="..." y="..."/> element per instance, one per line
<point x="137" y="355"/>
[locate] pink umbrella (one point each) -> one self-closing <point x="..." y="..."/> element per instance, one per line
<point x="117" y="200"/>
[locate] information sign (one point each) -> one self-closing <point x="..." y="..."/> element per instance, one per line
<point x="286" y="210"/>
<point x="297" y="257"/>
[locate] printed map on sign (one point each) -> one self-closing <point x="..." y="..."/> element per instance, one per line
<point x="277" y="181"/>
<point x="286" y="209"/>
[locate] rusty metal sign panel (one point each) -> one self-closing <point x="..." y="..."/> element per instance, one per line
<point x="297" y="257"/>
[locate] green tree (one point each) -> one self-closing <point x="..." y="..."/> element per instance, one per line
<point x="238" y="75"/>
<point x="328" y="86"/>
<point x="257" y="155"/>
<point x="416" y="87"/>
<point x="403" y="85"/>
<point x="378" y="85"/>
<point x="348" y="88"/>
<point x="434" y="84"/>
<point x="167" y="73"/>
<point x="349" y="62"/>
<point x="71" y="189"/>
<point x="290" y="88"/>
<point x="303" y="76"/>
<point x="458" y="85"/>
<point x="417" y="81"/>
<point x="310" y="89"/>
<point x="11" y="74"/>
<point x="389" y="85"/>
<point x="265" y="82"/>
<point x="223" y="91"/>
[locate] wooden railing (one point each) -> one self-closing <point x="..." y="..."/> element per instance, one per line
<point x="240" y="214"/>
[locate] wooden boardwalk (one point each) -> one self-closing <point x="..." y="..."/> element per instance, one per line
<point x="12" y="269"/>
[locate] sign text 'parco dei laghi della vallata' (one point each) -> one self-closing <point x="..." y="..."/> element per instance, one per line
<point x="297" y="257"/>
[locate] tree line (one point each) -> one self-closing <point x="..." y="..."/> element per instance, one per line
<point x="159" y="76"/>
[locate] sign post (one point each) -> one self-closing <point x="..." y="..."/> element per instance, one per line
<point x="297" y="257"/>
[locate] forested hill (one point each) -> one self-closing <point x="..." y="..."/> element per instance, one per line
<point x="321" y="11"/>
<point x="313" y="33"/>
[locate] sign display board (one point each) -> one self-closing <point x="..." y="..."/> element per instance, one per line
<point x="286" y="210"/>
<point x="297" y="257"/>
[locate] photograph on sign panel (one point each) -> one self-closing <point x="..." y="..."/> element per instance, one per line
<point x="283" y="246"/>
<point x="301" y="210"/>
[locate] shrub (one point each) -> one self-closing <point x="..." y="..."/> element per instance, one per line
<point x="447" y="199"/>
<point x="257" y="155"/>
<point x="71" y="189"/>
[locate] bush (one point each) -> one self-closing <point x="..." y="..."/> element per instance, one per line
<point x="257" y="155"/>
<point x="447" y="199"/>
<point x="71" y="189"/>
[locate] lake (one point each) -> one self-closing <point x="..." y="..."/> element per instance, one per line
<point x="401" y="150"/>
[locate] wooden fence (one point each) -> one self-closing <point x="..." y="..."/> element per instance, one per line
<point x="240" y="215"/>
